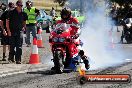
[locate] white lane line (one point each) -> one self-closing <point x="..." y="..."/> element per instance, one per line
<point x="22" y="71"/>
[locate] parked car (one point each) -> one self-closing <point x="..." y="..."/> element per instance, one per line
<point x="45" y="20"/>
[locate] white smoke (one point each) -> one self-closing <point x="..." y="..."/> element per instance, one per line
<point x="96" y="38"/>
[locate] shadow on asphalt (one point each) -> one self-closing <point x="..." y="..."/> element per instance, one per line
<point x="122" y="43"/>
<point x="48" y="72"/>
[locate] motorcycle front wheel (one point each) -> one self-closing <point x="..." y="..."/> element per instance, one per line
<point x="58" y="61"/>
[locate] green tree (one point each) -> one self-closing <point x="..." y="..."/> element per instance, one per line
<point x="122" y="2"/>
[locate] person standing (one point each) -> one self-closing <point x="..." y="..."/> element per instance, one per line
<point x="113" y="15"/>
<point x="52" y="12"/>
<point x="2" y="10"/>
<point x="32" y="13"/>
<point x="16" y="23"/>
<point x="5" y="37"/>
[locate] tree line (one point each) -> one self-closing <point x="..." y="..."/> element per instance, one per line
<point x="61" y="2"/>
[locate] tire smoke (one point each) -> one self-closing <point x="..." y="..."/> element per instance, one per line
<point x="96" y="38"/>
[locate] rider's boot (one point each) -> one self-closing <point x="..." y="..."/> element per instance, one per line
<point x="85" y="59"/>
<point x="86" y="62"/>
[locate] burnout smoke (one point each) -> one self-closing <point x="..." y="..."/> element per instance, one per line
<point x="96" y="38"/>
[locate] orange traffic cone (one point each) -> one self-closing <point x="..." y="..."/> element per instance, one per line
<point x="39" y="39"/>
<point x="34" y="58"/>
<point x="40" y="30"/>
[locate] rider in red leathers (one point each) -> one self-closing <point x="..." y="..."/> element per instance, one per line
<point x="74" y="24"/>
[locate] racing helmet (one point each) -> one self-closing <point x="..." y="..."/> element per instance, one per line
<point x="65" y="13"/>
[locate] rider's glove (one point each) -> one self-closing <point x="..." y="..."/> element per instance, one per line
<point x="75" y="25"/>
<point x="75" y="36"/>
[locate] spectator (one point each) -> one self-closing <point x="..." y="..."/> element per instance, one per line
<point x="2" y="9"/>
<point x="52" y="12"/>
<point x="32" y="13"/>
<point x="114" y="17"/>
<point x="16" y="23"/>
<point x="5" y="37"/>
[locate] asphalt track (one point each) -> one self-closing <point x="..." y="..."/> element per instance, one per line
<point x="46" y="79"/>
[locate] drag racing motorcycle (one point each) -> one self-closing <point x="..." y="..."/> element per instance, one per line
<point x="65" y="51"/>
<point x="127" y="30"/>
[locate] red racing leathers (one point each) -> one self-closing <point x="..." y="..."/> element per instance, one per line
<point x="74" y="23"/>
